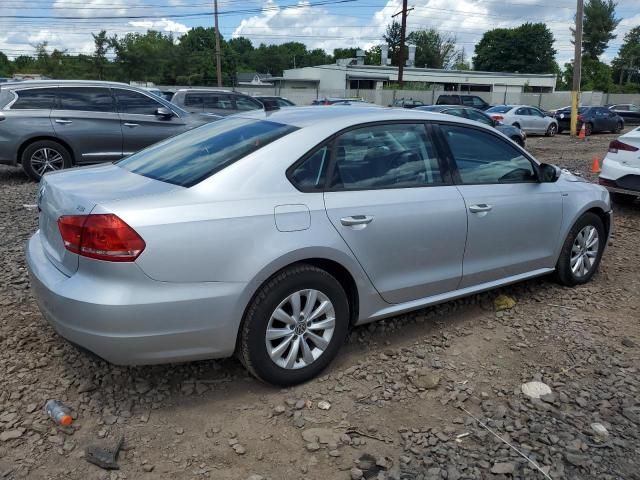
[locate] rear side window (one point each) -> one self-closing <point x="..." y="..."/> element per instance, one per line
<point x="136" y="103"/>
<point x="86" y="99"/>
<point x="482" y="158"/>
<point x="189" y="158"/>
<point x="499" y="109"/>
<point x="34" y="98"/>
<point x="385" y="156"/>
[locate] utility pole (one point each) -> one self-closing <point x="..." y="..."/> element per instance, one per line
<point x="403" y="34"/>
<point x="218" y="64"/>
<point x="577" y="69"/>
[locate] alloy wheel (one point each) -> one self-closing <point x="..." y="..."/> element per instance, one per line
<point x="584" y="251"/>
<point x="300" y="329"/>
<point x="46" y="159"/>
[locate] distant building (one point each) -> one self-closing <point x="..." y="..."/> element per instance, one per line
<point x="29" y="76"/>
<point x="353" y="74"/>
<point x="253" y="79"/>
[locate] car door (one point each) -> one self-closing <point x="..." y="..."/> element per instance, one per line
<point x="538" y="120"/>
<point x="392" y="200"/>
<point x="513" y="219"/>
<point x="523" y="118"/>
<point x="141" y="125"/>
<point x="86" y="119"/>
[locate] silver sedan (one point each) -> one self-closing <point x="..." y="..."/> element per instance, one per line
<point x="530" y="120"/>
<point x="270" y="234"/>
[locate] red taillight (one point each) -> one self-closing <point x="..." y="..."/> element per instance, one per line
<point x="102" y="236"/>
<point x="618" y="145"/>
<point x="497" y="117"/>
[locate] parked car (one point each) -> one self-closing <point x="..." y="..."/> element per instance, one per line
<point x="54" y="124"/>
<point x="337" y="100"/>
<point x="531" y="120"/>
<point x="407" y="103"/>
<point x="219" y="102"/>
<point x="276" y="101"/>
<point x="466" y="100"/>
<point x="269" y="234"/>
<point x="621" y="168"/>
<point x="476" y="115"/>
<point x="629" y="112"/>
<point x="595" y="119"/>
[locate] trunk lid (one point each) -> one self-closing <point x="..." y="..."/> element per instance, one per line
<point x="77" y="192"/>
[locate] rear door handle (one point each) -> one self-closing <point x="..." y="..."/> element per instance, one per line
<point x="481" y="207"/>
<point x="130" y="125"/>
<point x="63" y="121"/>
<point x="356" y="220"/>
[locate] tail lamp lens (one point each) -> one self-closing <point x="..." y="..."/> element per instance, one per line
<point x="617" y="145"/>
<point x="497" y="117"/>
<point x="101" y="236"/>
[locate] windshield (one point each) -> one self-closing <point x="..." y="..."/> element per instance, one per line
<point x="189" y="158"/>
<point x="499" y="109"/>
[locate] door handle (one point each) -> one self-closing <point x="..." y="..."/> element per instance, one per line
<point x="130" y="125"/>
<point x="356" y="220"/>
<point x="481" y="207"/>
<point x="63" y="121"/>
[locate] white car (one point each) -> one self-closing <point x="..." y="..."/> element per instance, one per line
<point x="530" y="120"/>
<point x="621" y="168"/>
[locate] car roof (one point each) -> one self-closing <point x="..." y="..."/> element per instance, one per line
<point x="55" y="83"/>
<point x="220" y="90"/>
<point x="344" y="115"/>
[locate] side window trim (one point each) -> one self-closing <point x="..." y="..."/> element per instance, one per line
<point x="446" y="151"/>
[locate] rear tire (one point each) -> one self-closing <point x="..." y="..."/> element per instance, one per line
<point x="622" y="198"/>
<point x="298" y="346"/>
<point x="44" y="156"/>
<point x="580" y="258"/>
<point x="619" y="128"/>
<point x="518" y="140"/>
<point x="588" y="129"/>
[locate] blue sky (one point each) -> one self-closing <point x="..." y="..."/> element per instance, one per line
<point x="317" y="23"/>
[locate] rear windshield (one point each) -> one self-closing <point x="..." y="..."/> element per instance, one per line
<point x="499" y="109"/>
<point x="189" y="158"/>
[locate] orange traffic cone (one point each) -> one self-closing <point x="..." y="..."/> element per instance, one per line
<point x="595" y="165"/>
<point x="583" y="133"/>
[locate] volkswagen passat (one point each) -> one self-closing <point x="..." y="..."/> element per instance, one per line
<point x="270" y="234"/>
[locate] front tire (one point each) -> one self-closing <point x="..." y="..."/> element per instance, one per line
<point x="582" y="251"/>
<point x="44" y="156"/>
<point x="294" y="326"/>
<point x="551" y="130"/>
<point x="588" y="129"/>
<point x="619" y="128"/>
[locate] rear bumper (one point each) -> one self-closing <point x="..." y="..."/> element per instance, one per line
<point x="131" y="319"/>
<point x="618" y="177"/>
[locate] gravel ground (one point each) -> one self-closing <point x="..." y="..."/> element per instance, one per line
<point x="404" y="399"/>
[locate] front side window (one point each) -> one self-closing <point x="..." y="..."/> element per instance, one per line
<point x="483" y="158"/>
<point x="87" y="99"/>
<point x="478" y="102"/>
<point x="189" y="158"/>
<point x="34" y="98"/>
<point x="193" y="100"/>
<point x="385" y="156"/>
<point x="136" y="103"/>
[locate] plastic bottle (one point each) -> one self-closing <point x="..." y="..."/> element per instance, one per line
<point x="58" y="412"/>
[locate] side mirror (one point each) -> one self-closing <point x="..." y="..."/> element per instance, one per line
<point x="549" y="173"/>
<point x="164" y="112"/>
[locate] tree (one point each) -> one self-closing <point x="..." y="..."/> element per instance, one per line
<point x="524" y="49"/>
<point x="373" y="56"/>
<point x="460" y="62"/>
<point x="344" y="53"/>
<point x="6" y="69"/>
<point x="599" y="22"/>
<point x="101" y="42"/>
<point x="433" y="50"/>
<point x="596" y="75"/>
<point x="392" y="37"/>
<point x="626" y="65"/>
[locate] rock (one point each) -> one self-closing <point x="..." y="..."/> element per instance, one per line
<point x="356" y="473"/>
<point x="10" y="435"/>
<point x="300" y="404"/>
<point x="324" y="405"/>
<point x="582" y="402"/>
<point x="279" y="410"/>
<point x="504" y="302"/>
<point x="109" y="419"/>
<point x="321" y="435"/>
<point x="239" y="449"/>
<point x="87" y="386"/>
<point x="334" y="453"/>
<point x="503" y="468"/>
<point x="600" y="431"/>
<point x="627" y="342"/>
<point x="576" y="460"/>
<point x="425" y="378"/>
<point x="312" y="446"/>
<point x="147" y="467"/>
<point x="535" y="389"/>
<point x="179" y="430"/>
<point x="632" y="414"/>
<point x="255" y="477"/>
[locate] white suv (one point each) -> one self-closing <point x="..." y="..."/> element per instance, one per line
<point x="621" y="168"/>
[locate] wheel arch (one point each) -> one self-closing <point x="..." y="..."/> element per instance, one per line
<point x="23" y="146"/>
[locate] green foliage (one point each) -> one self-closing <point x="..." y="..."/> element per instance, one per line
<point x="524" y="49"/>
<point x="599" y="22"/>
<point x="433" y="50"/>
<point x="392" y="37"/>
<point x="626" y="65"/>
<point x="596" y="75"/>
<point x="373" y="56"/>
<point x="344" y="53"/>
<point x="6" y="68"/>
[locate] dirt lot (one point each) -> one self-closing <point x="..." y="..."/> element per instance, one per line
<point x="402" y="392"/>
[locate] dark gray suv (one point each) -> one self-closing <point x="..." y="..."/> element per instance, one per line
<point x="50" y="125"/>
<point x="220" y="102"/>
